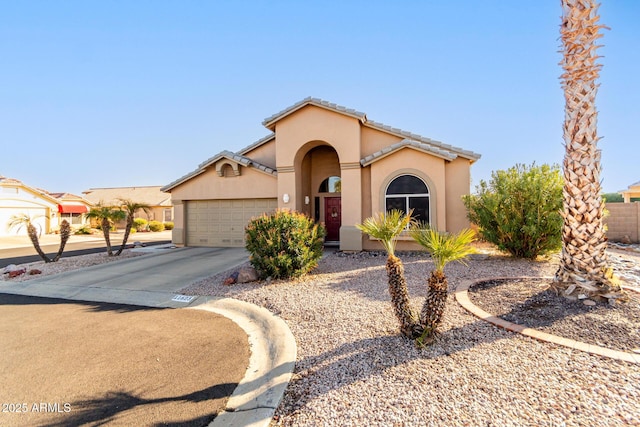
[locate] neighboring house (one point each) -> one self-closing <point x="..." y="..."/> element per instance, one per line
<point x="16" y="198"/>
<point x="633" y="192"/>
<point x="72" y="208"/>
<point x="160" y="207"/>
<point x="331" y="163"/>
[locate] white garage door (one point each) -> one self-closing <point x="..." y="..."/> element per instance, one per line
<point x="221" y="223"/>
<point x="37" y="215"/>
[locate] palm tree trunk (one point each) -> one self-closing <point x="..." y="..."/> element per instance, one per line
<point x="65" y="233"/>
<point x="400" y="297"/>
<point x="584" y="260"/>
<point x="33" y="236"/>
<point x="127" y="230"/>
<point x="435" y="302"/>
<point x="105" y="231"/>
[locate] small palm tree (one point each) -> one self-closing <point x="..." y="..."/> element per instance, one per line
<point x="65" y="233"/>
<point x="443" y="248"/>
<point x="23" y="220"/>
<point x="130" y="208"/>
<point x="387" y="227"/>
<point x="105" y="215"/>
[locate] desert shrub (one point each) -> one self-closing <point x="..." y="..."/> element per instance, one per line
<point x="613" y="197"/>
<point x="156" y="226"/>
<point x="140" y="224"/>
<point x="168" y="225"/>
<point x="85" y="229"/>
<point x="519" y="210"/>
<point x="284" y="244"/>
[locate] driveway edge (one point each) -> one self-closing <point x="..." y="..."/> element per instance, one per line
<point x="462" y="296"/>
<point x="271" y="363"/>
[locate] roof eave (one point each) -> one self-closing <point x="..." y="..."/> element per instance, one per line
<point x="270" y="122"/>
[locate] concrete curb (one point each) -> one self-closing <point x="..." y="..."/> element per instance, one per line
<point x="272" y="360"/>
<point x="462" y="296"/>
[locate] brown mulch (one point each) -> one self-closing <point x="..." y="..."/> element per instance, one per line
<point x="531" y="303"/>
<point x="86" y="363"/>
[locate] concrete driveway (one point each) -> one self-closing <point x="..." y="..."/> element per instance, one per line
<point x="151" y="280"/>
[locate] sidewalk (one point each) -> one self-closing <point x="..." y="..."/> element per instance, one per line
<point x="22" y="241"/>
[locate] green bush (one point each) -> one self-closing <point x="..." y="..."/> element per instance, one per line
<point x="85" y="229"/>
<point x="140" y="224"/>
<point x="519" y="210"/>
<point x="156" y="226"/>
<point x="168" y="225"/>
<point x="613" y="198"/>
<point x="284" y="244"/>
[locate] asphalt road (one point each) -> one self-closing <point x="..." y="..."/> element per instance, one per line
<point x="28" y="254"/>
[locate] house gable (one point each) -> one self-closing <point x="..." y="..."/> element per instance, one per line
<point x="313" y="141"/>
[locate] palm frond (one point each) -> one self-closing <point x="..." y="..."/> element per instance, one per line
<point x="444" y="247"/>
<point x="386" y="227"/>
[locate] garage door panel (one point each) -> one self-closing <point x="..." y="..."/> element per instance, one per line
<point x="222" y="222"/>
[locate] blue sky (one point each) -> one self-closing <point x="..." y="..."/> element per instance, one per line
<point x="121" y="93"/>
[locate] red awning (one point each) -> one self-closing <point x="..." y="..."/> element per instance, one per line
<point x="72" y="208"/>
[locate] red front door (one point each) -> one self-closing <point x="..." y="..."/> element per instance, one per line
<point x="332" y="218"/>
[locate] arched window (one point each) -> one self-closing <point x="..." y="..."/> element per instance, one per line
<point x="331" y="185"/>
<point x="409" y="192"/>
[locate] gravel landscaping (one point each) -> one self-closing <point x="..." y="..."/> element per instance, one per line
<point x="354" y="368"/>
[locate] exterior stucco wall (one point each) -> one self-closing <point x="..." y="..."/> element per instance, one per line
<point x="302" y="131"/>
<point x="249" y="184"/>
<point x="407" y="161"/>
<point x="208" y="185"/>
<point x="265" y="154"/>
<point x="458" y="179"/>
<point x="178" y="232"/>
<point x="318" y="164"/>
<point x="374" y="140"/>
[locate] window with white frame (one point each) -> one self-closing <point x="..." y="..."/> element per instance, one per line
<point x="409" y="192"/>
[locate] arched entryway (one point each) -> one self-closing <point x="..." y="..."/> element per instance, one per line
<point x="320" y="186"/>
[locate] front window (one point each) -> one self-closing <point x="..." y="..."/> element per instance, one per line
<point x="72" y="218"/>
<point x="409" y="192"/>
<point x="333" y="184"/>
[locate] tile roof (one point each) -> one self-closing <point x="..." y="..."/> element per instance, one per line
<point x="428" y="141"/>
<point x="269" y="122"/>
<point x="257" y="144"/>
<point x="226" y="154"/>
<point x="426" y="148"/>
<point x="149" y="195"/>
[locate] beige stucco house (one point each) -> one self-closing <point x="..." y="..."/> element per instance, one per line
<point x="46" y="210"/>
<point x="159" y="202"/>
<point x="633" y="192"/>
<point x="331" y="163"/>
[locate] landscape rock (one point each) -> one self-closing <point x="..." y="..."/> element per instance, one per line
<point x="231" y="279"/>
<point x="247" y="274"/>
<point x="16" y="273"/>
<point x="34" y="271"/>
<point x="9" y="268"/>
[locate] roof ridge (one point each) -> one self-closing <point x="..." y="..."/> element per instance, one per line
<point x="423" y="139"/>
<point x="317" y="102"/>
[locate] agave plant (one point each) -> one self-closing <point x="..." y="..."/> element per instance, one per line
<point x="443" y="248"/>
<point x="387" y="227"/>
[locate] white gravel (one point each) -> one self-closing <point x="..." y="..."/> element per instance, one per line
<point x="353" y="368"/>
<point x="65" y="264"/>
